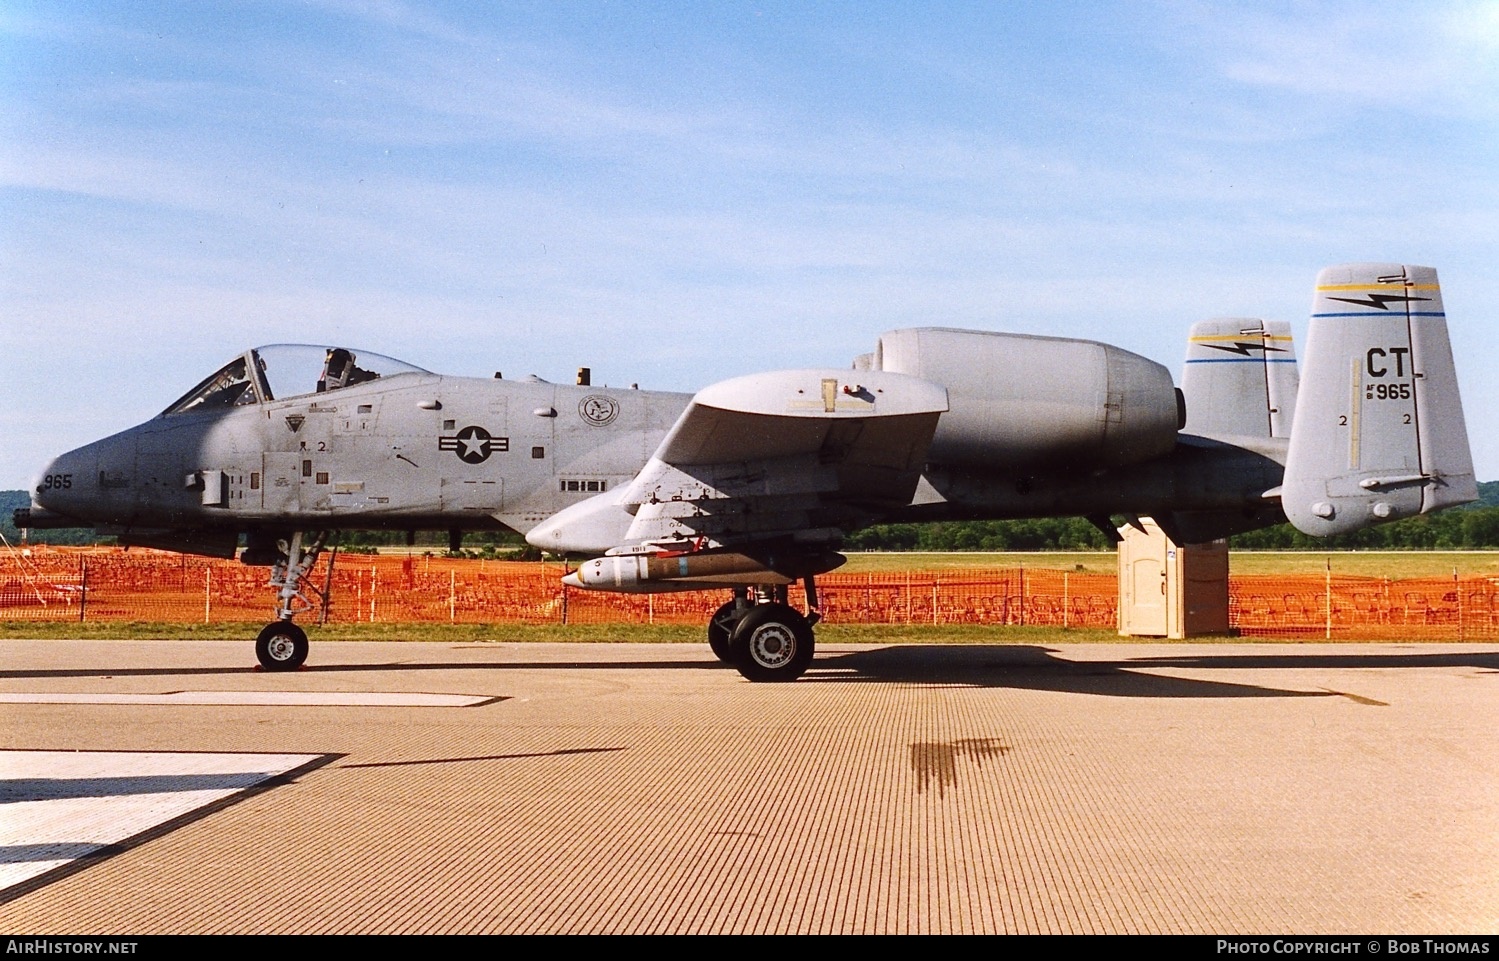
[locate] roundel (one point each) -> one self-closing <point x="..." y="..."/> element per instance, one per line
<point x="473" y="444"/>
<point x="598" y="410"/>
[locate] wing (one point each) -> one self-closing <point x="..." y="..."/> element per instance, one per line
<point x="801" y="455"/>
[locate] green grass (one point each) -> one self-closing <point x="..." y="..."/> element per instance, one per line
<point x="827" y="633"/>
<point x="522" y="633"/>
<point x="1391" y="564"/>
<point x="875" y="562"/>
<point x="144" y="630"/>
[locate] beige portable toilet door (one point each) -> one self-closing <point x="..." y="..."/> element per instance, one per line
<point x="1147" y="601"/>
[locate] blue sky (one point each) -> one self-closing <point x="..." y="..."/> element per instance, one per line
<point x="673" y="194"/>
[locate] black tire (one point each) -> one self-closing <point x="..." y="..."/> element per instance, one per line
<point x="720" y="627"/>
<point x="771" y="643"/>
<point x="281" y="646"/>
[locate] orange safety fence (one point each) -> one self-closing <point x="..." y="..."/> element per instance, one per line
<point x="109" y="584"/>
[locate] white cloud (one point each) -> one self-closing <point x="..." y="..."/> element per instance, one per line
<point x="1424" y="58"/>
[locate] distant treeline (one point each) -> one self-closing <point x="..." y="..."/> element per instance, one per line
<point x="1473" y="527"/>
<point x="11" y="501"/>
<point x="1449" y="530"/>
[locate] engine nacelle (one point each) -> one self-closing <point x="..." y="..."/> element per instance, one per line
<point x="1021" y="400"/>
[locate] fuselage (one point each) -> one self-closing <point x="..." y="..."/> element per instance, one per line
<point x="412" y="450"/>
<point x="425" y="451"/>
<point x="389" y="446"/>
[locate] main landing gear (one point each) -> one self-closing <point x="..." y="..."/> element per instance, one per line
<point x="282" y="645"/>
<point x="763" y="636"/>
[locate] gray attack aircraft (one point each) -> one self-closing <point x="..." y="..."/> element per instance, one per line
<point x="751" y="484"/>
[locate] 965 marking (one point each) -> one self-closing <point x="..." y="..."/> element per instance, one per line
<point x="57" y="482"/>
<point x="1387" y="391"/>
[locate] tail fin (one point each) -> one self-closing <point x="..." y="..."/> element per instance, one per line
<point x="1379" y="432"/>
<point x="1240" y="378"/>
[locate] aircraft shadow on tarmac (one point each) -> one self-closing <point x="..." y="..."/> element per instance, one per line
<point x="65" y="851"/>
<point x="1023" y="668"/>
<point x="1038" y="668"/>
<point x="1000" y="665"/>
<point x="53" y="789"/>
<point x="560" y="752"/>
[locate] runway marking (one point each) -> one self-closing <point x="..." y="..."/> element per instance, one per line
<point x="58" y="808"/>
<point x="276" y="698"/>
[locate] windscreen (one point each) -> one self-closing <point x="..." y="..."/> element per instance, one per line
<point x="287" y="370"/>
<point x="230" y="386"/>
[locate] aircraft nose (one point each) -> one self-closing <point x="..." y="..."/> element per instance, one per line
<point x="86" y="483"/>
<point x="59" y="484"/>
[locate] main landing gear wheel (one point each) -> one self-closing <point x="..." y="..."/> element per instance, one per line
<point x="720" y="628"/>
<point x="773" y="642"/>
<point x="281" y="646"/>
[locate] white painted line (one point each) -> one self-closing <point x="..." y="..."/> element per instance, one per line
<point x="294" y="698"/>
<point x="59" y="806"/>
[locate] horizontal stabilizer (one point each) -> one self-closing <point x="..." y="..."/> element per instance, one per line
<point x="1379" y="432"/>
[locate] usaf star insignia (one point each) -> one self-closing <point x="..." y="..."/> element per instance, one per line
<point x="472" y="444"/>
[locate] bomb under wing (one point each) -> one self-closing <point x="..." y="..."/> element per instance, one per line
<point x="653" y="572"/>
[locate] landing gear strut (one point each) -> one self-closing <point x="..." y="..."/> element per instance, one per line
<point x="282" y="645"/>
<point x="765" y="638"/>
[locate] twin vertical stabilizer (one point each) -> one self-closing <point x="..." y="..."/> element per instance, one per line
<point x="1240" y="378"/>
<point x="1379" y="432"/>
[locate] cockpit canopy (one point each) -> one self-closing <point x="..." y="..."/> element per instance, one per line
<point x="286" y="370"/>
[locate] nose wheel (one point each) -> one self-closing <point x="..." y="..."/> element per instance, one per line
<point x="281" y="646"/>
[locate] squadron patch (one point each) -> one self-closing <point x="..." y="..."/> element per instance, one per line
<point x="473" y="444"/>
<point x="598" y="410"/>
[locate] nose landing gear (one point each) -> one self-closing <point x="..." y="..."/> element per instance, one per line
<point x="282" y="645"/>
